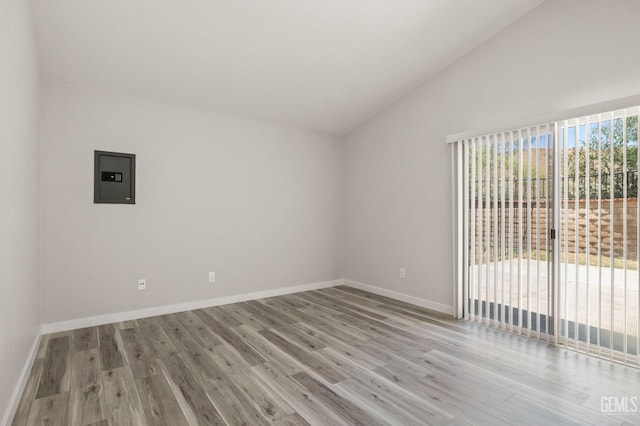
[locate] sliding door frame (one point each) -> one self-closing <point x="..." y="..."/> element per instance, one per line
<point x="464" y="146"/>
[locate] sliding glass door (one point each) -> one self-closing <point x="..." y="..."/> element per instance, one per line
<point x="549" y="232"/>
<point x="598" y="235"/>
<point x="508" y="181"/>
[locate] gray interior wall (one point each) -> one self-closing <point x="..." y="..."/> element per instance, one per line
<point x="258" y="204"/>
<point x="19" y="297"/>
<point x="563" y="55"/>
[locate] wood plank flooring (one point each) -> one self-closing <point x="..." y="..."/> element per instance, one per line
<point x="327" y="357"/>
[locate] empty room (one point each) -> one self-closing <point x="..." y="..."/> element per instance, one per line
<point x="337" y="212"/>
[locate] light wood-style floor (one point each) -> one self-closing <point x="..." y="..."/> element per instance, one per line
<point x="333" y="356"/>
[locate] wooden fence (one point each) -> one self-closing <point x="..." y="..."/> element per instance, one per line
<point x="539" y="213"/>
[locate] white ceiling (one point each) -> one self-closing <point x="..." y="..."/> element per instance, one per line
<point x="325" y="65"/>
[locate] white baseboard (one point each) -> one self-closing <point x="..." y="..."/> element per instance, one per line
<point x="425" y="303"/>
<point x="22" y="383"/>
<point x="181" y="307"/>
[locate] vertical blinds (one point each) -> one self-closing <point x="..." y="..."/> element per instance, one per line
<point x="507" y="198"/>
<point x="599" y="309"/>
<point x="548" y="235"/>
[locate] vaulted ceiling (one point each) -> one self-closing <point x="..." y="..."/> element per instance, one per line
<point x="325" y="65"/>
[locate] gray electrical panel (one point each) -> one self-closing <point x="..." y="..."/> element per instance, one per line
<point x="114" y="180"/>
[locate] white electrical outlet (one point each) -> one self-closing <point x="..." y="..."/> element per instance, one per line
<point x="142" y="284"/>
<point x="212" y="277"/>
<point x="403" y="273"/>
